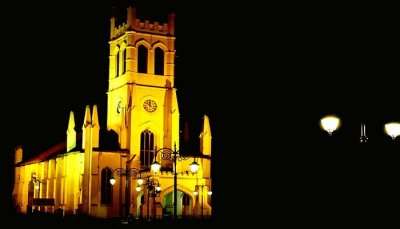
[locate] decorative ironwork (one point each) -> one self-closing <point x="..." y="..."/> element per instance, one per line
<point x="130" y="172"/>
<point x="169" y="154"/>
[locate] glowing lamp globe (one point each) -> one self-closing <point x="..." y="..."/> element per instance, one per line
<point x="158" y="189"/>
<point x="155" y="167"/>
<point x="140" y="181"/>
<point x="112" y="181"/>
<point x="393" y="129"/>
<point x="194" y="167"/>
<point x="330" y="123"/>
<point x="138" y="189"/>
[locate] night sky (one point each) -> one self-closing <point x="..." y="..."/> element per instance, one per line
<point x="265" y="75"/>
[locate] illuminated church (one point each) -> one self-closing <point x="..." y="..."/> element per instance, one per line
<point x="127" y="167"/>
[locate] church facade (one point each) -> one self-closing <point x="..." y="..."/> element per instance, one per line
<point x="133" y="165"/>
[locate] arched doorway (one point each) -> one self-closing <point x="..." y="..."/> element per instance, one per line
<point x="184" y="204"/>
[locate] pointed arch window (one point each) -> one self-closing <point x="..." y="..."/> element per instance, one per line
<point x="117" y="64"/>
<point x="147" y="150"/>
<point x="142" y="59"/>
<point x="124" y="61"/>
<point x="159" y="61"/>
<point x="106" y="187"/>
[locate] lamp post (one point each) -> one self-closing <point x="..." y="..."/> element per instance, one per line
<point x="174" y="155"/>
<point x="196" y="193"/>
<point x="36" y="183"/>
<point x="128" y="173"/>
<point x="331" y="123"/>
<point x="153" y="186"/>
<point x="153" y="190"/>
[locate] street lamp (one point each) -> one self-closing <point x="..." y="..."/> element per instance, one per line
<point x="330" y="123"/>
<point x="393" y="129"/>
<point x="153" y="186"/>
<point x="36" y="184"/>
<point x="194" y="167"/>
<point x="112" y="181"/>
<point x="139" y="181"/>
<point x="153" y="190"/>
<point x="196" y="193"/>
<point x="128" y="173"/>
<point x="155" y="167"/>
<point x="172" y="154"/>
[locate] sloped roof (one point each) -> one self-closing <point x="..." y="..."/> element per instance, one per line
<point x="51" y="152"/>
<point x="108" y="142"/>
<point x="189" y="143"/>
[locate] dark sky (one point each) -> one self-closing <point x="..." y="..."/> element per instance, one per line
<point x="264" y="74"/>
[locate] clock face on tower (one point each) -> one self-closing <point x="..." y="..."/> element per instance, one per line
<point x="150" y="105"/>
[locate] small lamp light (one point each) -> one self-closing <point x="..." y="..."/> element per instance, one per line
<point x="330" y="123"/>
<point x="392" y="129"/>
<point x="158" y="188"/>
<point x="112" y="181"/>
<point x="195" y="193"/>
<point x="209" y="193"/>
<point x="155" y="167"/>
<point x="194" y="167"/>
<point x="138" y="188"/>
<point x="140" y="181"/>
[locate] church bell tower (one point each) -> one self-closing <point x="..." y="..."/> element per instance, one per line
<point x="142" y="102"/>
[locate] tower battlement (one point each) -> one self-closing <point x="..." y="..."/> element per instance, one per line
<point x="135" y="24"/>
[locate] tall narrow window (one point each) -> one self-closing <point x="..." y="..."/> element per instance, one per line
<point x="106" y="187"/>
<point x="146" y="148"/>
<point x="117" y="64"/>
<point x="159" y="61"/>
<point x="142" y="59"/>
<point x="124" y="61"/>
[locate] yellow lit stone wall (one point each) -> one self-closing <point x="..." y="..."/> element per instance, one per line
<point x="73" y="179"/>
<point x="59" y="178"/>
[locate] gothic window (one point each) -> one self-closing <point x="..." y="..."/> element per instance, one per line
<point x="124" y="61"/>
<point x="106" y="187"/>
<point x="117" y="64"/>
<point x="146" y="148"/>
<point x="142" y="59"/>
<point x="159" y="61"/>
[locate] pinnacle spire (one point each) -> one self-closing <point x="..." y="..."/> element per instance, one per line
<point x="87" y="119"/>
<point x="71" y="133"/>
<point x="71" y="121"/>
<point x="206" y="126"/>
<point x="205" y="137"/>
<point x="95" y="117"/>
